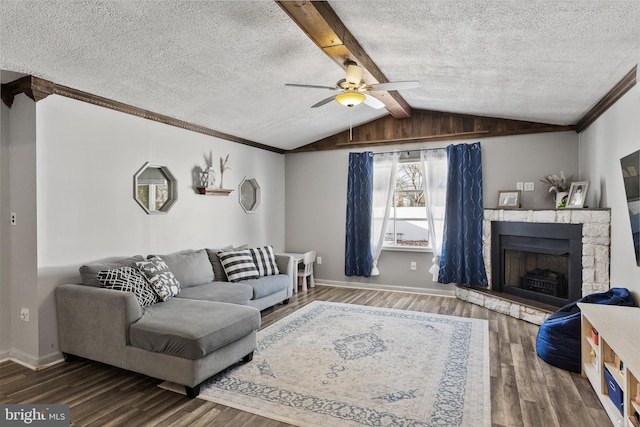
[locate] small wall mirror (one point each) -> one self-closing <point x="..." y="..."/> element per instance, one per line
<point x="249" y="194"/>
<point x="154" y="188"/>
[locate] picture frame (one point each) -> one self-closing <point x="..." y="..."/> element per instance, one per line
<point x="509" y="199"/>
<point x="577" y="194"/>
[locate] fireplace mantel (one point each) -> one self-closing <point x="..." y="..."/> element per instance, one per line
<point x="596" y="240"/>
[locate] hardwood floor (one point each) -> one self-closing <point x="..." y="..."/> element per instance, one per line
<point x="525" y="391"/>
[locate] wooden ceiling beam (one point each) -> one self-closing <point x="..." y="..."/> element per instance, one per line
<point x="321" y="24"/>
<point x="38" y="89"/>
<point x="622" y="87"/>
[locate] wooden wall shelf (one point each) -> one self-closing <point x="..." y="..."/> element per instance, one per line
<point x="214" y="191"/>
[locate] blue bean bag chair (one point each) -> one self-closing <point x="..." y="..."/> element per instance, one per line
<point x="558" y="340"/>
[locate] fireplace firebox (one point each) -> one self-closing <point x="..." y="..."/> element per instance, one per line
<point x="537" y="261"/>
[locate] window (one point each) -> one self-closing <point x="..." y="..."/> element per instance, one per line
<point x="408" y="225"/>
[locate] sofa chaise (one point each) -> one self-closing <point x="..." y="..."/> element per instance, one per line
<point x="209" y="325"/>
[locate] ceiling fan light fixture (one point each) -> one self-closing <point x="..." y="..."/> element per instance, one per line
<point x="350" y="99"/>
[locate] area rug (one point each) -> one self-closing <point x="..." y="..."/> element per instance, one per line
<point x="331" y="364"/>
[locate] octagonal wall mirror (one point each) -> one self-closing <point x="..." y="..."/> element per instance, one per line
<point x="250" y="195"/>
<point x="154" y="188"/>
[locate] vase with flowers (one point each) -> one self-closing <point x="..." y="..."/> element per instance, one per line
<point x="559" y="184"/>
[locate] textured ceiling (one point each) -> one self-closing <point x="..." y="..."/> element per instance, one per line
<point x="223" y="64"/>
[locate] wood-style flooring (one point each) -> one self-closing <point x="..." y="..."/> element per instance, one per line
<point x="525" y="391"/>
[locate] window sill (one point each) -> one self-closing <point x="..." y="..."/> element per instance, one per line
<point x="406" y="249"/>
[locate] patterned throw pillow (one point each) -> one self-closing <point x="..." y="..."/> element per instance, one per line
<point x="161" y="279"/>
<point x="128" y="279"/>
<point x="265" y="260"/>
<point x="238" y="265"/>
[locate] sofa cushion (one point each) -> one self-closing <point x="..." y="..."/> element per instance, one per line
<point x="191" y="268"/>
<point x="238" y="265"/>
<point x="192" y="329"/>
<point x="235" y="293"/>
<point x="163" y="282"/>
<point x="128" y="279"/>
<point x="268" y="285"/>
<point x="89" y="271"/>
<point x="218" y="270"/>
<point x="265" y="260"/>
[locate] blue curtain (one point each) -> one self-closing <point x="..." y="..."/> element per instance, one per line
<point x="357" y="253"/>
<point x="461" y="261"/>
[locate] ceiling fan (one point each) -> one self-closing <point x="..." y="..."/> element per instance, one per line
<point x="353" y="91"/>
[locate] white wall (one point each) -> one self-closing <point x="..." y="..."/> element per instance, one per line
<point x="316" y="201"/>
<point x="5" y="294"/>
<point x="612" y="136"/>
<point x="86" y="157"/>
<point x="22" y="256"/>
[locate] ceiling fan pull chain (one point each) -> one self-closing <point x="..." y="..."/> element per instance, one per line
<point x="350" y="125"/>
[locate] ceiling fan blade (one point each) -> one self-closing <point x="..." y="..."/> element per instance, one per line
<point x="373" y="102"/>
<point x="354" y="74"/>
<point x="312" y="86"/>
<point x="324" y="101"/>
<point x="395" y="85"/>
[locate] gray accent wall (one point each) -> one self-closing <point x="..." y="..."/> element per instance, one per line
<point x="612" y="136"/>
<point x="316" y="185"/>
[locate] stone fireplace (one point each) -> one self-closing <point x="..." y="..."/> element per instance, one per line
<point x="544" y="259"/>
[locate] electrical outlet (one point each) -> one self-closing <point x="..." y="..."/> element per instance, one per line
<point x="413" y="265"/>
<point x="24" y="314"/>
<point x="319" y="260"/>
<point x="519" y="186"/>
<point x="13" y="218"/>
<point x="528" y="186"/>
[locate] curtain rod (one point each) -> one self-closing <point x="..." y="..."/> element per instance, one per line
<point x="410" y="151"/>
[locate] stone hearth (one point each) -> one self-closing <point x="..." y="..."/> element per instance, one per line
<point x="595" y="257"/>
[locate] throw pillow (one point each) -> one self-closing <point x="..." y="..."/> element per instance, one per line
<point x="90" y="271"/>
<point x="128" y="279"/>
<point x="265" y="260"/>
<point x="218" y="270"/>
<point x="161" y="279"/>
<point x="238" y="265"/>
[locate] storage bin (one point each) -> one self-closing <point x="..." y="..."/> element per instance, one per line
<point x="613" y="389"/>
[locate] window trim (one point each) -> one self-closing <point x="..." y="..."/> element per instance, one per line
<point x="393" y="215"/>
<point x="421" y="249"/>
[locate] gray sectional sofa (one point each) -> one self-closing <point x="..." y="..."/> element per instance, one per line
<point x="207" y="327"/>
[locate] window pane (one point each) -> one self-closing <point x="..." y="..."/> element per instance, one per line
<point x="407" y="233"/>
<point x="409" y="199"/>
<point x="409" y="177"/>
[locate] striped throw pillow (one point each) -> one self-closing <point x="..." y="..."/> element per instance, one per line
<point x="238" y="265"/>
<point x="265" y="260"/>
